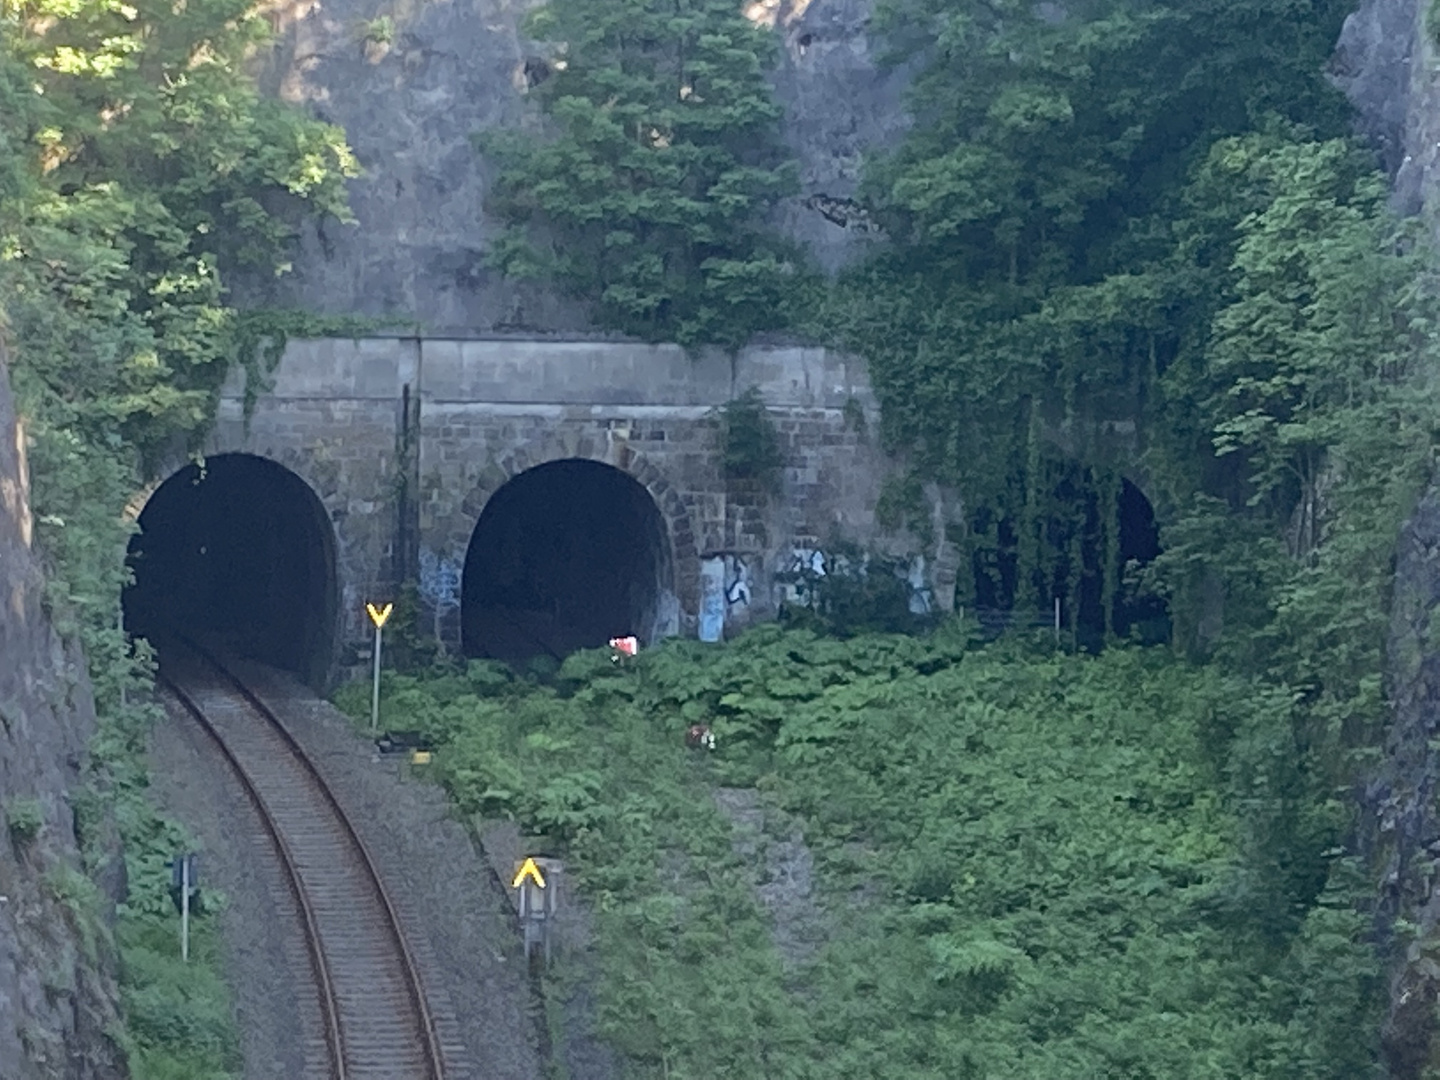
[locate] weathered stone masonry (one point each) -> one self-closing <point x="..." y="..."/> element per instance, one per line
<point x="404" y="441"/>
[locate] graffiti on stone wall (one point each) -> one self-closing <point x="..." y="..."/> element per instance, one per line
<point x="728" y="583"/>
<point x="712" y="599"/>
<point x="805" y="568"/>
<point x="726" y="590"/>
<point x="799" y="573"/>
<point x="737" y="593"/>
<point x="922" y="599"/>
<point x="439" y="586"/>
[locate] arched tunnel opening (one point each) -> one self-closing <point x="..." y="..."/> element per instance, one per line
<point x="1080" y="535"/>
<point x="238" y="553"/>
<point x="564" y="557"/>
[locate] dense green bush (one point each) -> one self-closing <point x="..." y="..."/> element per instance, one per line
<point x="24" y="819"/>
<point x="855" y="591"/>
<point x="749" y="443"/>
<point x="178" y="1019"/>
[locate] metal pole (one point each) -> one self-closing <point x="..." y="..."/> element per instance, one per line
<point x="185" y="908"/>
<point x="1057" y="620"/>
<point x="375" y="692"/>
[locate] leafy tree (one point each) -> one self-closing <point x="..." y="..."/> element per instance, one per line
<point x="648" y="199"/>
<point x="1048" y="263"/>
<point x="137" y="165"/>
<point x="152" y="164"/>
<point x="1110" y="210"/>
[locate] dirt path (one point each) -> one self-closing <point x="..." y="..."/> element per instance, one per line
<point x="783" y="870"/>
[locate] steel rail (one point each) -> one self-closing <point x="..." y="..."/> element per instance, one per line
<point x="434" y="1059"/>
<point x="328" y="1005"/>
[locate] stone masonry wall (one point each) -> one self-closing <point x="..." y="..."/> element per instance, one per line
<point x="484" y="411"/>
<point x="334" y="421"/>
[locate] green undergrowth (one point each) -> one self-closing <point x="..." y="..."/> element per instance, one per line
<point x="1029" y="864"/>
<point x="179" y="1021"/>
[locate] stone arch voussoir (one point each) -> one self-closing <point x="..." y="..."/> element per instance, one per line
<point x="292" y="460"/>
<point x="556" y="446"/>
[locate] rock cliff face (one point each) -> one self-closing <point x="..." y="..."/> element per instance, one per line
<point x="57" y="985"/>
<point x="1385" y="63"/>
<point x="1400" y="832"/>
<point x="411" y="93"/>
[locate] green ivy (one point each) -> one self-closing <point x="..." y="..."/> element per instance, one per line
<point x="749" y="443"/>
<point x="259" y="336"/>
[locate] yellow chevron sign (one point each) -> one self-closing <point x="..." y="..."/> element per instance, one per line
<point x="528" y="869"/>
<point x="379" y="615"/>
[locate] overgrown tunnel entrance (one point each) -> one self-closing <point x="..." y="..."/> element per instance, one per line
<point x="238" y="553"/>
<point x="1087" y="550"/>
<point x="565" y="556"/>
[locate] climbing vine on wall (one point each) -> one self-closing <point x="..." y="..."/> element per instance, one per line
<point x="1154" y="214"/>
<point x="749" y="443"/>
<point x="259" y="338"/>
<point x="1065" y="222"/>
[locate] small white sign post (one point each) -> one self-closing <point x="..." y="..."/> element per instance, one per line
<point x="185" y="909"/>
<point x="378" y="617"/>
<point x="182" y="881"/>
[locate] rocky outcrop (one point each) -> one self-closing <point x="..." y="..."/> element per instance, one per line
<point x="57" y="985"/>
<point x="841" y="102"/>
<point x="1372" y="64"/>
<point x="1385" y="64"/>
<point x="413" y="81"/>
<point x="1400" y="834"/>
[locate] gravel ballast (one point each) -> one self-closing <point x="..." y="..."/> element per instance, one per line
<point x="267" y="965"/>
<point x="456" y="914"/>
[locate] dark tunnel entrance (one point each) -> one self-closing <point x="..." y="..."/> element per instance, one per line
<point x="239" y="553"/>
<point x="1082" y="525"/>
<point x="565" y="556"/>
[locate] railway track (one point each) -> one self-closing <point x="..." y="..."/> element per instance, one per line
<point x="378" y="1024"/>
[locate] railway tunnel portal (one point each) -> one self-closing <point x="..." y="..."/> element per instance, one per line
<point x="238" y="550"/>
<point x="565" y="556"/>
<point x="577" y="486"/>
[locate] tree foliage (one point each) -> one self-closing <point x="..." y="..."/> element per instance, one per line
<point x="1151" y="213"/>
<point x="143" y="163"/>
<point x="648" y="196"/>
<point x="750" y="445"/>
<point x="1052" y="255"/>
<point x="137" y="165"/>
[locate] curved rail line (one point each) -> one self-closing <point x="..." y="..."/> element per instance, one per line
<point x="378" y="1022"/>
